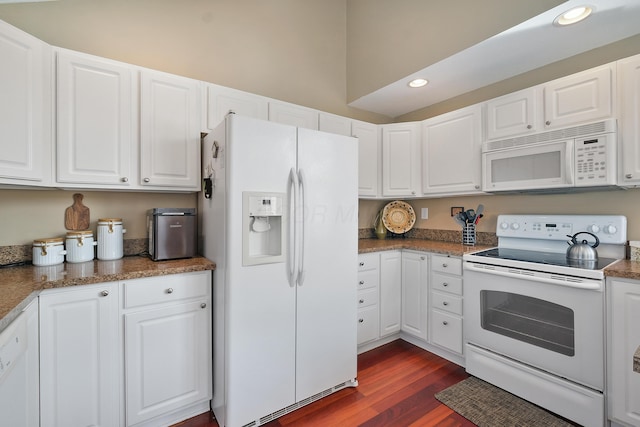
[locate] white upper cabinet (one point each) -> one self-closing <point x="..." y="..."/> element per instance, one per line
<point x="368" y="157"/>
<point x="401" y="159"/>
<point x="95" y="120"/>
<point x="513" y="114"/>
<point x="579" y="98"/>
<point x="629" y="126"/>
<point x="25" y="108"/>
<point x="291" y="114"/>
<point x="223" y="100"/>
<point x="334" y="124"/>
<point x="169" y="131"/>
<point x="451" y="152"/>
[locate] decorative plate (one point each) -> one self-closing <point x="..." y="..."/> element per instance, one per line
<point x="398" y="217"/>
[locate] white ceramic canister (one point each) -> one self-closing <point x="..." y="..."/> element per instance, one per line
<point x="79" y="246"/>
<point x="49" y="251"/>
<point x="110" y="237"/>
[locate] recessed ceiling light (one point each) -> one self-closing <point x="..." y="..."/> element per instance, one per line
<point x="572" y="16"/>
<point x="418" y="83"/>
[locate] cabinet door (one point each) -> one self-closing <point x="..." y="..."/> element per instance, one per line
<point x="624" y="336"/>
<point x="451" y="152"/>
<point x="167" y="359"/>
<point x="25" y="108"/>
<point x="390" y="292"/>
<point x="79" y="354"/>
<point x="629" y="92"/>
<point x="294" y="115"/>
<point x="169" y="131"/>
<point x="400" y="159"/>
<point x="334" y="124"/>
<point x="223" y="100"/>
<point x="513" y="114"/>
<point x="95" y="120"/>
<point x="368" y="157"/>
<point x="579" y="98"/>
<point x="415" y="274"/>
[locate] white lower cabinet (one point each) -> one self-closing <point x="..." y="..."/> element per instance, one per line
<point x="415" y="289"/>
<point x="623" y="341"/>
<point x="446" y="302"/>
<point x="160" y="327"/>
<point x="368" y="296"/>
<point x="79" y="356"/>
<point x="390" y="292"/>
<point x="167" y="343"/>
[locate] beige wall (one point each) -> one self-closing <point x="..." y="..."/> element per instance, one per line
<point x="615" y="202"/>
<point x="34" y="214"/>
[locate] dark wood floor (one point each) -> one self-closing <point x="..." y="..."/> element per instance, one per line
<point x="397" y="383"/>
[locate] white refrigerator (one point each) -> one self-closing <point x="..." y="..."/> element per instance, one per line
<point x="278" y="215"/>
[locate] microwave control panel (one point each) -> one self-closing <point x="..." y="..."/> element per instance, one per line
<point x="595" y="159"/>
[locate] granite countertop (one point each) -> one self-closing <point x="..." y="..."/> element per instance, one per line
<point x="625" y="269"/>
<point x="636" y="361"/>
<point x="21" y="285"/>
<point x="434" y="246"/>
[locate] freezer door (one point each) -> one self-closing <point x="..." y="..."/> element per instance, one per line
<point x="326" y="344"/>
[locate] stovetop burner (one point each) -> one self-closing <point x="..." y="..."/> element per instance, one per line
<point x="548" y="258"/>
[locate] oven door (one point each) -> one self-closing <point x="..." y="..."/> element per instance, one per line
<point x="551" y="322"/>
<point x="530" y="167"/>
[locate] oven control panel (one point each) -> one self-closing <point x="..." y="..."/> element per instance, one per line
<point x="611" y="229"/>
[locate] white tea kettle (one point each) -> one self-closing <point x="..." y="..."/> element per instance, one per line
<point x="582" y="251"/>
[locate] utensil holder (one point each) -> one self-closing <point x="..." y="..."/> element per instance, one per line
<point x="469" y="234"/>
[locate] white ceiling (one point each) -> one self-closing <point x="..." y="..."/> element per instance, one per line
<point x="527" y="46"/>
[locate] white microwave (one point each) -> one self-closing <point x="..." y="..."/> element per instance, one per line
<point x="572" y="158"/>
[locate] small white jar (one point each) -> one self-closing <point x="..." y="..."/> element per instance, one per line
<point x="79" y="246"/>
<point x="110" y="238"/>
<point x="49" y="251"/>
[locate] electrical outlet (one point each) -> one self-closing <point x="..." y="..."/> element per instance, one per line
<point x="425" y="213"/>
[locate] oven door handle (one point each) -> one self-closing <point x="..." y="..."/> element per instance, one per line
<point x="588" y="285"/>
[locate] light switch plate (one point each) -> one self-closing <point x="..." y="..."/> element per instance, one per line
<point x="425" y="213"/>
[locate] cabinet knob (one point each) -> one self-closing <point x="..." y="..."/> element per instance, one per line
<point x="422" y="258"/>
<point x="547" y="123"/>
<point x="628" y="176"/>
<point x="477" y="187"/>
<point x="146" y="180"/>
<point x="361" y="282"/>
<point x="413" y="193"/>
<point x="124" y="179"/>
<point x="445" y="284"/>
<point x="445" y="303"/>
<point x="170" y="290"/>
<point x="104" y="293"/>
<point x="361" y="301"/>
<point x="203" y="305"/>
<point x="445" y="323"/>
<point x="362" y="264"/>
<point x="445" y="265"/>
<point x="360" y="320"/>
<point x="529" y="126"/>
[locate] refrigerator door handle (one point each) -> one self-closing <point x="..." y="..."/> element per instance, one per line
<point x="292" y="267"/>
<point x="302" y="180"/>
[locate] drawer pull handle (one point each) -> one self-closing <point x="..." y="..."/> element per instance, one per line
<point x="445" y="284"/>
<point x="445" y="303"/>
<point x="170" y="290"/>
<point x="360" y="320"/>
<point x="104" y="293"/>
<point x="445" y="323"/>
<point x="362" y="264"/>
<point x="203" y="305"/>
<point x="361" y="301"/>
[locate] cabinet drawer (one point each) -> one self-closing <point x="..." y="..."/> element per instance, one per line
<point x="446" y="302"/>
<point x="446" y="331"/>
<point x="367" y="324"/>
<point x="368" y="262"/>
<point x="446" y="264"/>
<point x="368" y="279"/>
<point x="442" y="282"/>
<point x="367" y="298"/>
<point x="163" y="289"/>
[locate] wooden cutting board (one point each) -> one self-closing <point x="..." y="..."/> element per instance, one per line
<point x="76" y="216"/>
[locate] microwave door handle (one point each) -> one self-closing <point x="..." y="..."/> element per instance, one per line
<point x="569" y="160"/>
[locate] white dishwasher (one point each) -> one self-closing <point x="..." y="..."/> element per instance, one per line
<point x="19" y="390"/>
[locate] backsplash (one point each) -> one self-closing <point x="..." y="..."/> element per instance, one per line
<point x="483" y="238"/>
<point x="23" y="253"/>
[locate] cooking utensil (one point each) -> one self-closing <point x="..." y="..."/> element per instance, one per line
<point x="471" y="215"/>
<point x="458" y="219"/>
<point x="582" y="251"/>
<point x="477" y="218"/>
<point x="479" y="210"/>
